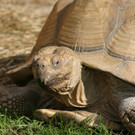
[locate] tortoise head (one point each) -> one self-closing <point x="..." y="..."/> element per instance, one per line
<point x="57" y="68"/>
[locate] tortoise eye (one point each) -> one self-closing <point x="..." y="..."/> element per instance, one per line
<point x="56" y="61"/>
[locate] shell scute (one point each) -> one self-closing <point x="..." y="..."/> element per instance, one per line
<point x="123" y="43"/>
<point x="81" y="25"/>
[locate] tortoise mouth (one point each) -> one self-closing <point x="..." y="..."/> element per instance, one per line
<point x="56" y="81"/>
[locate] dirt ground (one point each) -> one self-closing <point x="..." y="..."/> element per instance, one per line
<point x="20" y="24"/>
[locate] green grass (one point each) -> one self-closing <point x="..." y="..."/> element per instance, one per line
<point x="31" y="126"/>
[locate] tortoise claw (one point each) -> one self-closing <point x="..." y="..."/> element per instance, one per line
<point x="44" y="114"/>
<point x="127" y="114"/>
<point x="128" y="120"/>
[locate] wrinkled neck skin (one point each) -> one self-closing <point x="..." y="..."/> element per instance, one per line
<point x="89" y="89"/>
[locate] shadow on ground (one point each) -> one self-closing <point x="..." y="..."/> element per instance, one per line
<point x="7" y="64"/>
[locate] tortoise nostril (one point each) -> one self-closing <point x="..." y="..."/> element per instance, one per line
<point x="43" y="65"/>
<point x="37" y="65"/>
<point x="51" y="75"/>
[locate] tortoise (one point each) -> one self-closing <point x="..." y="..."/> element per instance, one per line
<point x="83" y="61"/>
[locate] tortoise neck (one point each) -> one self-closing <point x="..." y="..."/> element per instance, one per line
<point x="91" y="88"/>
<point x="95" y="85"/>
<point x="75" y="97"/>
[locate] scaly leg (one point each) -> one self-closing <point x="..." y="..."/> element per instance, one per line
<point x="91" y="119"/>
<point x="24" y="100"/>
<point x="127" y="113"/>
<point x="77" y="116"/>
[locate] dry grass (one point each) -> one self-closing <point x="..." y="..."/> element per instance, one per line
<point x="20" y="23"/>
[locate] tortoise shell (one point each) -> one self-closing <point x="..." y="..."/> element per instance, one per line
<point x="102" y="33"/>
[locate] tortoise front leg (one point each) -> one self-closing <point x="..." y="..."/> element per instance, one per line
<point x="127" y="113"/>
<point x="123" y="101"/>
<point x="77" y="116"/>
